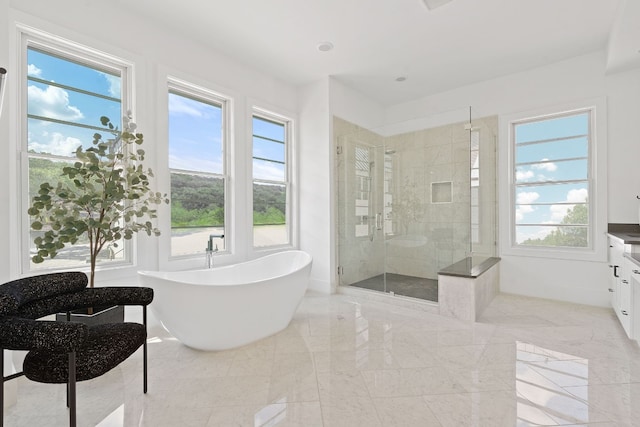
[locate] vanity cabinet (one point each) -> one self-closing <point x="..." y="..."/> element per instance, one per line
<point x="623" y="309"/>
<point x="635" y="302"/>
<point x="620" y="285"/>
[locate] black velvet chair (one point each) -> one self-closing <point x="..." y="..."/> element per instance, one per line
<point x="66" y="352"/>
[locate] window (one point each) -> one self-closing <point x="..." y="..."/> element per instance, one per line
<point x="552" y="180"/>
<point x="271" y="180"/>
<point x="475" y="186"/>
<point x="67" y="89"/>
<point x="363" y="191"/>
<point x="197" y="165"/>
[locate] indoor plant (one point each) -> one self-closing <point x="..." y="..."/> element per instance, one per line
<point x="105" y="195"/>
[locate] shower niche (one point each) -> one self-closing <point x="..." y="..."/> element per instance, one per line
<point x="411" y="203"/>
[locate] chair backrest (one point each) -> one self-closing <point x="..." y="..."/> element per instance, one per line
<point x="19" y="292"/>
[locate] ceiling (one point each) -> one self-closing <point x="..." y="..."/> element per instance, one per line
<point x="377" y="41"/>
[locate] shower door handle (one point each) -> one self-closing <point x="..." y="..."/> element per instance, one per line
<point x="378" y="221"/>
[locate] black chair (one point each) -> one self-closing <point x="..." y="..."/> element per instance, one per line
<point x="66" y="352"/>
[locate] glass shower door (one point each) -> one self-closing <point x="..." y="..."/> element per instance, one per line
<point x="360" y="213"/>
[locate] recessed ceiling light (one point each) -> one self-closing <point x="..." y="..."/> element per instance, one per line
<point x="401" y="78"/>
<point x="325" y="46"/>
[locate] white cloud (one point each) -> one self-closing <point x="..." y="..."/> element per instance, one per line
<point x="558" y="212"/>
<point x="194" y="164"/>
<point x="527" y="197"/>
<point x="114" y="84"/>
<point x="524" y="175"/>
<point x="268" y="171"/>
<point x="521" y="211"/>
<point x="180" y="105"/>
<point x="52" y="102"/>
<point x="523" y="200"/>
<point x="56" y="144"/>
<point x="34" y="71"/>
<point x="550" y="167"/>
<point x="579" y="195"/>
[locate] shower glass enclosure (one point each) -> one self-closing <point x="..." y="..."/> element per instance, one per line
<point x="413" y="199"/>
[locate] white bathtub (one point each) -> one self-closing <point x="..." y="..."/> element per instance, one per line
<point x="230" y="306"/>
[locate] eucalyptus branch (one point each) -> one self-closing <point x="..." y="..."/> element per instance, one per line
<point x="105" y="194"/>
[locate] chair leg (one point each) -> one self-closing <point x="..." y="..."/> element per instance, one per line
<point x="144" y="350"/>
<point x="2" y="389"/>
<point x="71" y="384"/>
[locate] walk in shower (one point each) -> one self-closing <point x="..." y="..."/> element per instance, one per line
<point x="412" y="202"/>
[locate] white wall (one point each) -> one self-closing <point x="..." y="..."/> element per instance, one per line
<point x="4" y="136"/>
<point x="11" y="387"/>
<point x="156" y="53"/>
<point x="623" y="92"/>
<point x="576" y="79"/>
<point x="354" y="107"/>
<point x="316" y="188"/>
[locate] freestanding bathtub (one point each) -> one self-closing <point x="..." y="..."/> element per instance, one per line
<point x="230" y="306"/>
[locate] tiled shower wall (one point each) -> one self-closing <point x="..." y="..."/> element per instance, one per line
<point x="424" y="231"/>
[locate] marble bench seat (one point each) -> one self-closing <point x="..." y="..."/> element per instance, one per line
<point x="467" y="287"/>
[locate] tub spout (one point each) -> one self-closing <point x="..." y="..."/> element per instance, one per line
<point x="209" y="257"/>
<point x="211" y="249"/>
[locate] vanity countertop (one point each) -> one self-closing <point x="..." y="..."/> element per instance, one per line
<point x="627" y="238"/>
<point x="628" y="233"/>
<point x="635" y="257"/>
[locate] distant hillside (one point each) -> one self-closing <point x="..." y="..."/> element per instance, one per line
<point x="196" y="201"/>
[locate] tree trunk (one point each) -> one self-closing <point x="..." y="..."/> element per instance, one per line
<point x="92" y="276"/>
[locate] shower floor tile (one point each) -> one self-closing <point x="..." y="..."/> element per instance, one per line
<point x="409" y="286"/>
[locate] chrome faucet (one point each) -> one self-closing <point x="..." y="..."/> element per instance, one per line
<point x="211" y="250"/>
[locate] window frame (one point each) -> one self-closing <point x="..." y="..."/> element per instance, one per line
<point x="205" y="95"/>
<point x="73" y="52"/>
<point x="596" y="180"/>
<point x="290" y="220"/>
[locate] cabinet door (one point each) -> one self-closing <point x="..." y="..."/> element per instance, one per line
<point x="635" y="303"/>
<point x="615" y="258"/>
<point x="623" y="308"/>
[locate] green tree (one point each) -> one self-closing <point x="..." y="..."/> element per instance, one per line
<point x="568" y="236"/>
<point x="103" y="196"/>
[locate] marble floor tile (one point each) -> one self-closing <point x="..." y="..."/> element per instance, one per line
<point x="356" y="411"/>
<point x="283" y="414"/>
<point x="405" y="412"/>
<point x="351" y="361"/>
<point x="361" y="360"/>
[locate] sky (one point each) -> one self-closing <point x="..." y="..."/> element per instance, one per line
<point x="195" y="127"/>
<point x="196" y="133"/>
<point x="546" y="161"/>
<point x="62" y="104"/>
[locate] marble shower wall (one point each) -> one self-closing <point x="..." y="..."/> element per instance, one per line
<point x="422" y="181"/>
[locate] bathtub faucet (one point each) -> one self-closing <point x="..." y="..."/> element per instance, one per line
<point x="211" y="250"/>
